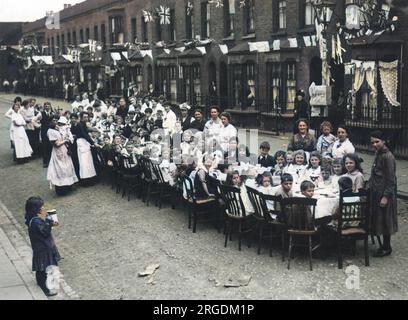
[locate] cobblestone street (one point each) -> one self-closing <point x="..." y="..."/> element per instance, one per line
<point x="107" y="241"/>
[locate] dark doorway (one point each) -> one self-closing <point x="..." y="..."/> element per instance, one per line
<point x="212" y="85"/>
<point x="223" y="85"/>
<point x="149" y="75"/>
<point x="337" y="74"/>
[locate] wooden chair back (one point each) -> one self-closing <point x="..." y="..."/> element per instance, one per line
<point x="299" y="213"/>
<point x="233" y="201"/>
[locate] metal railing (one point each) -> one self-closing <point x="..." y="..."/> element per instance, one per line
<point x="381" y="117"/>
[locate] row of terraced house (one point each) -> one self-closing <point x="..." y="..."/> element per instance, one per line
<point x="218" y="52"/>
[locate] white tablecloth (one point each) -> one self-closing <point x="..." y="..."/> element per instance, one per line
<point x="327" y="201"/>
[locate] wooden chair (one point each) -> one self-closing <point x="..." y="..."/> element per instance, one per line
<point x="264" y="218"/>
<point x="116" y="173"/>
<point x="131" y="179"/>
<point x="235" y="214"/>
<point x="166" y="191"/>
<point x="352" y="223"/>
<point x="197" y="208"/>
<point x="300" y="215"/>
<point x="149" y="179"/>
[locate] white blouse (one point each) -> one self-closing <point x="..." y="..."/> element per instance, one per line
<point x="340" y="149"/>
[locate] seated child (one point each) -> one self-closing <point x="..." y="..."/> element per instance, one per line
<point x="351" y="164"/>
<point x="346" y="188"/>
<point x="301" y="216"/>
<point x="280" y="166"/>
<point x="298" y="168"/>
<point x="313" y="171"/>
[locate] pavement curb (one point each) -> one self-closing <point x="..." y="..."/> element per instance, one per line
<point x="16" y="245"/>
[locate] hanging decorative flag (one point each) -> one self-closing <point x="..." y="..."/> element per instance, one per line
<point x="293" y="42"/>
<point x="218" y="3"/>
<point x="147" y="53"/>
<point x="202" y="50"/>
<point x="223" y="48"/>
<point x="92" y="45"/>
<point x="181" y="49"/>
<point x="276" y="45"/>
<point x="348" y="68"/>
<point x="314" y="43"/>
<point x="260" y="46"/>
<point x="245" y="3"/>
<point x="75" y="55"/>
<point x="308" y="41"/>
<point x="164" y="14"/>
<point x="147" y="15"/>
<point x="190" y="8"/>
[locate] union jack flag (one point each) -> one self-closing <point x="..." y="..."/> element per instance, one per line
<point x="164" y="14"/>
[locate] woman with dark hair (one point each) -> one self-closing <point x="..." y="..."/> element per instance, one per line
<point x="18" y="136"/>
<point x="383" y="194"/>
<point x="342" y="146"/>
<point x="84" y="142"/>
<point x="61" y="171"/>
<point x="45" y="252"/>
<point x="227" y="132"/>
<point x="352" y="164"/>
<point x="302" y="140"/>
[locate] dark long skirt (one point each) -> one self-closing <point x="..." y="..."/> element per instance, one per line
<point x="384" y="221"/>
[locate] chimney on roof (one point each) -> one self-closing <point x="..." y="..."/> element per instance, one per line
<point x="66" y="5"/>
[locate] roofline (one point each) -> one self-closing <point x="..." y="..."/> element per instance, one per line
<point x="39" y="24"/>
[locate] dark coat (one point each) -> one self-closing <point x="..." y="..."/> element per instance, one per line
<point x="122" y="112"/>
<point x="45" y="124"/>
<point x="186" y="124"/>
<point x="45" y="253"/>
<point x="268" y="162"/>
<point x="383" y="183"/>
<point x="199" y="126"/>
<point x="302" y="110"/>
<point x="80" y="131"/>
<point x="308" y="143"/>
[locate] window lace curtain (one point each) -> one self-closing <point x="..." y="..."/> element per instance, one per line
<point x="370" y="74"/>
<point x="359" y="77"/>
<point x="389" y="81"/>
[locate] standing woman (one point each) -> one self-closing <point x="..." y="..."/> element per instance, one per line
<point x="302" y="139"/>
<point x="227" y="132"/>
<point x="342" y="146"/>
<point x="18" y="135"/>
<point x="84" y="142"/>
<point x="383" y="194"/>
<point x="61" y="171"/>
<point x="45" y="253"/>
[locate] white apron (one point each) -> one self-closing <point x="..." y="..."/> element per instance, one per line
<point x="86" y="165"/>
<point x="19" y="137"/>
<point x="61" y="171"/>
